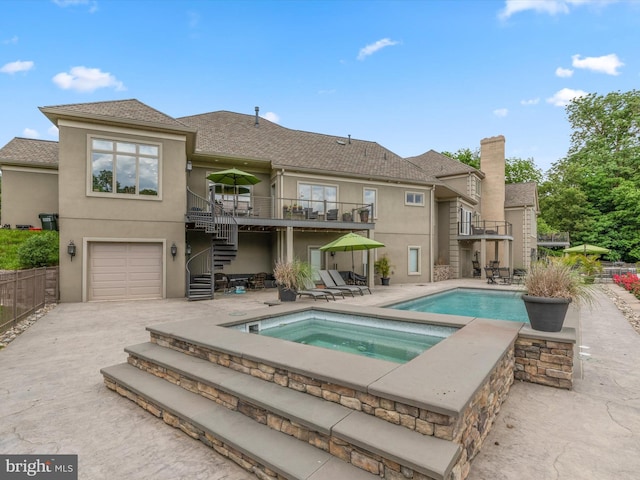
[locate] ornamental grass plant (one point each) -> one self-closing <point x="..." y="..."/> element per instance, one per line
<point x="553" y="279"/>
<point x="292" y="275"/>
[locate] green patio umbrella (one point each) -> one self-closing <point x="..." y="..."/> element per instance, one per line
<point x="350" y="242"/>
<point x="587" y="249"/>
<point x="234" y="177"/>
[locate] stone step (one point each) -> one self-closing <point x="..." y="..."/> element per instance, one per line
<point x="237" y="436"/>
<point x="425" y="454"/>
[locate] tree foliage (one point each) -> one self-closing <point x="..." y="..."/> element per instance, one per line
<point x="39" y="250"/>
<point x="466" y="156"/>
<point x="517" y="170"/>
<point x="594" y="192"/>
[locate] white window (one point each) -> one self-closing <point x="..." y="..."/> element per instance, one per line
<point x="123" y="168"/>
<point x="414" y="198"/>
<point x="413" y="267"/>
<point x="369" y="196"/>
<point x="317" y="196"/>
<point x="466" y="216"/>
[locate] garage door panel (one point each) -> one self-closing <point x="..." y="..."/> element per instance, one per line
<point x="119" y="271"/>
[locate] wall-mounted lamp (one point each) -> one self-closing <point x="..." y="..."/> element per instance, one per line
<point x="188" y="250"/>
<point x="174" y="250"/>
<point x="71" y="249"/>
<point x="189" y="166"/>
<point x="333" y="254"/>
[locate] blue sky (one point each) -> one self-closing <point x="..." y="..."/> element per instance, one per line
<point x="410" y="75"/>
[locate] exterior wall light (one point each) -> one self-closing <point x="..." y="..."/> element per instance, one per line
<point x="188" y="250"/>
<point x="189" y="166"/>
<point x="71" y="249"/>
<point x="174" y="250"/>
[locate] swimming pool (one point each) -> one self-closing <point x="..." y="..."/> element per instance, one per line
<point x="373" y="337"/>
<point x="471" y="302"/>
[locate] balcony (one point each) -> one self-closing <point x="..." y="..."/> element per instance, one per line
<point x="270" y="213"/>
<point x="484" y="229"/>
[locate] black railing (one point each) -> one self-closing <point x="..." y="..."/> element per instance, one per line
<point x="485" y="227"/>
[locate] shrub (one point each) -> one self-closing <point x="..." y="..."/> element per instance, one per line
<point x="630" y="282"/>
<point x="39" y="250"/>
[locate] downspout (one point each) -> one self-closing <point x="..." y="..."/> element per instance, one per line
<point x="431" y="230"/>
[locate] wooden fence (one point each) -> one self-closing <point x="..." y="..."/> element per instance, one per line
<point x="22" y="292"/>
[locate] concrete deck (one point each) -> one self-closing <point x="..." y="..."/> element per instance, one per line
<point x="52" y="398"/>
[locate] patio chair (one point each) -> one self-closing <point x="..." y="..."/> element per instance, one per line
<point x="257" y="281"/>
<point x="221" y="281"/>
<point x="489" y="273"/>
<point x="504" y="275"/>
<point x="311" y="214"/>
<point x="329" y="283"/>
<point x="332" y="214"/>
<point x="339" y="281"/>
<point x="476" y="268"/>
<point x="310" y="286"/>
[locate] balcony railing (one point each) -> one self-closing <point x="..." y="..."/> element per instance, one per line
<point x="256" y="207"/>
<point x="484" y="228"/>
<point x="556" y="237"/>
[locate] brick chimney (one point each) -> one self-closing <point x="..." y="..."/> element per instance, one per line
<point x="492" y="163"/>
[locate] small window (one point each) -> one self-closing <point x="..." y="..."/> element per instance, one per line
<point x="414" y="198"/>
<point x="478" y="186"/>
<point x="413" y="267"/>
<point x="369" y="198"/>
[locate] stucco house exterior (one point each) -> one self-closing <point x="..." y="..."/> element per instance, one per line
<point x="130" y="187"/>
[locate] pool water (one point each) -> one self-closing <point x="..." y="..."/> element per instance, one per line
<point x="384" y="344"/>
<point x="471" y="303"/>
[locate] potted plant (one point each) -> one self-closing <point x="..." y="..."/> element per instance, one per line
<point x="550" y="288"/>
<point x="383" y="267"/>
<point x="589" y="266"/>
<point x="347" y="217"/>
<point x="290" y="277"/>
<point x="364" y="215"/>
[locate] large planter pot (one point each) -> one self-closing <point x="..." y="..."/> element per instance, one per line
<point x="546" y="314"/>
<point x="364" y="216"/>
<point x="286" y="294"/>
<point x="384" y="280"/>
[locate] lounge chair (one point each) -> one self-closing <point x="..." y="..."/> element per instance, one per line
<point x="329" y="283"/>
<point x="315" y="294"/>
<point x="339" y="281"/>
<point x="310" y="286"/>
<point x="489" y="273"/>
<point x="476" y="268"/>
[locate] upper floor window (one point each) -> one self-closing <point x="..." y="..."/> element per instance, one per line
<point x="125" y="168"/>
<point x="317" y="196"/>
<point x="466" y="217"/>
<point x="477" y="183"/>
<point x="369" y="198"/>
<point x="414" y="198"/>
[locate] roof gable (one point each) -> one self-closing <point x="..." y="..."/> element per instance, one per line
<point x="439" y="165"/>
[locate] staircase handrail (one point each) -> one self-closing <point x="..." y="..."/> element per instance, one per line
<point x="207" y="214"/>
<point x="199" y="264"/>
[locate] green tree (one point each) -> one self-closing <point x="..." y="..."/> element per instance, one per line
<point x="593" y="192"/>
<point x="519" y="170"/>
<point x="466" y="156"/>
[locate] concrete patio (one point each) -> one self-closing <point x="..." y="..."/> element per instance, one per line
<point x="53" y="399"/>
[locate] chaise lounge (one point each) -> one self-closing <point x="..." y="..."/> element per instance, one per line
<point x="339" y="282"/>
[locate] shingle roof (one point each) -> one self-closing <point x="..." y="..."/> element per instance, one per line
<point x="521" y="194"/>
<point x="439" y="165"/>
<point x="236" y="135"/>
<point x="117" y="110"/>
<point x="27" y="151"/>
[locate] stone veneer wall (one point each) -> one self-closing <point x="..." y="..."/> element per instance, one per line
<point x="468" y="430"/>
<point x="442" y="272"/>
<point x="544" y="361"/>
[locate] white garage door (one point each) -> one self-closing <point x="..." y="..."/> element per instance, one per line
<point x="120" y="271"/>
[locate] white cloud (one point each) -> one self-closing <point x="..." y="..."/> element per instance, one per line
<point x="11" y="40"/>
<point x="272" y="117"/>
<point x="608" y="64"/>
<point x="93" y="4"/>
<point x="564" y="72"/>
<point x="83" y="79"/>
<point x="501" y="112"/>
<point x="532" y="101"/>
<point x="18" y="66"/>
<point x="374" y="47"/>
<point x="562" y="97"/>
<point x="53" y="131"/>
<point x="30" y="133"/>
<point x="551" y="7"/>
